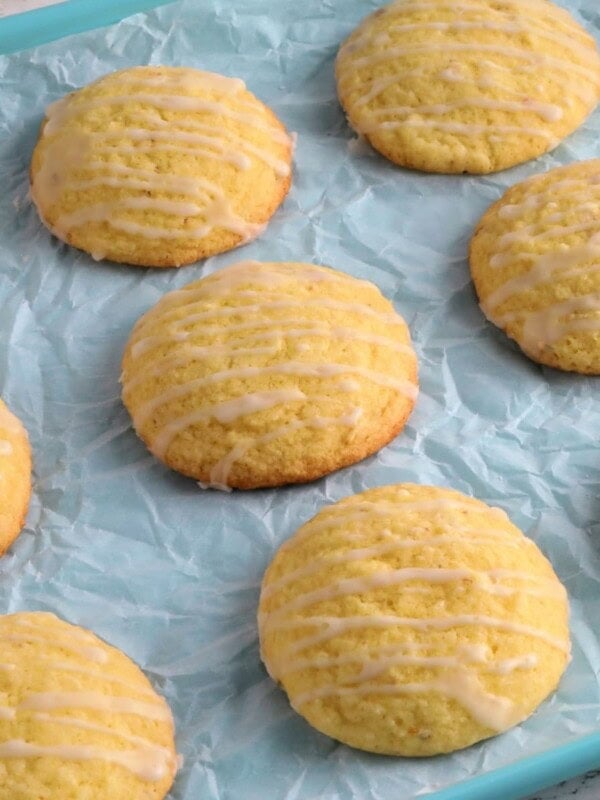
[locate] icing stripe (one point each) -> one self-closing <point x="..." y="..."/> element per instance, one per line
<point x="48" y="701"/>
<point x="141" y="763"/>
<point x="359" y="511"/>
<point x="215" y="210"/>
<point x="335" y="626"/>
<point x="540" y="219"/>
<point x="490" y="710"/>
<point x="221" y="470"/>
<point x="95" y="654"/>
<point x="396" y="545"/>
<point x="300" y="368"/>
<point x="482" y="580"/>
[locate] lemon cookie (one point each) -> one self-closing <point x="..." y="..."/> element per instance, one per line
<point x="78" y="719"/>
<point x="159" y="166"/>
<point x="413" y="620"/>
<point x="475" y="86"/>
<point x="534" y="260"/>
<point x="269" y="373"/>
<point x="15" y="477"/>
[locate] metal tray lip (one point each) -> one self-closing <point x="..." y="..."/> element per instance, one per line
<point x="510" y="782"/>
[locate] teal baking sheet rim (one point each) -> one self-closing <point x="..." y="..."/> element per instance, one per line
<point x="32" y="28"/>
<point x="514" y="780"/>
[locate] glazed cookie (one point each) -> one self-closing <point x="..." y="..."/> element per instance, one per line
<point x="159" y="166"/>
<point x="412" y="620"/>
<point x="534" y="260"/>
<point x="269" y="373"/>
<point x="15" y="477"/>
<point x="78" y="719"/>
<point x="475" y="86"/>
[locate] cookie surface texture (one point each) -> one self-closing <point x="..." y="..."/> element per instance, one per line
<point x="475" y="86"/>
<point x="534" y="261"/>
<point x="412" y="620"/>
<point x="78" y="719"/>
<point x="159" y="166"/>
<point x="15" y="477"/>
<point x="263" y="374"/>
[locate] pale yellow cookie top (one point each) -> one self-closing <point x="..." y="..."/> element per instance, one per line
<point x="160" y="166"/>
<point x="78" y="719"/>
<point x="15" y="476"/>
<point x="534" y="260"/>
<point x="413" y="620"/>
<point x="269" y="373"/>
<point x="471" y="86"/>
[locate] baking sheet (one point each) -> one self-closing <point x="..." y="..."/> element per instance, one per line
<point x="171" y="574"/>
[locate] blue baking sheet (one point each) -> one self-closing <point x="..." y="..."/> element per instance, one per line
<point x="171" y="574"/>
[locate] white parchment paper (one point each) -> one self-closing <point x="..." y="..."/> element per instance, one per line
<point x="171" y="574"/>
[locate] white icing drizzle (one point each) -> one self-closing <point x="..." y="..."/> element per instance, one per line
<point x="373" y="663"/>
<point x="579" y="77"/>
<point x="491" y="711"/>
<point x="546" y="198"/>
<point x="225" y="412"/>
<point x="532" y="27"/>
<point x="458" y="127"/>
<point x="359" y="511"/>
<point x="141" y="762"/>
<point x="548" y="111"/>
<point x="218" y="214"/>
<point x="359" y="309"/>
<point x="336" y="626"/>
<point x="150" y="752"/>
<point x="6" y="712"/>
<point x="552" y="12"/>
<point x="519" y="54"/>
<point x="559" y="261"/>
<point x="184" y="220"/>
<point x="220" y="472"/>
<point x="6" y="448"/>
<point x="184" y="327"/>
<point x="146" y="344"/>
<point x="48" y="701"/>
<point x="397" y="544"/>
<point x="349" y="668"/>
<point x="85" y="725"/>
<point x="190" y="353"/>
<point x="57" y="113"/>
<point x="63" y="666"/>
<point x="300" y="368"/>
<point x="208" y="137"/>
<point x="90" y="652"/>
<point x="482" y="580"/>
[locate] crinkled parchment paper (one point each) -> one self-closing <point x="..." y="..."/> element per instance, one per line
<point x="170" y="573"/>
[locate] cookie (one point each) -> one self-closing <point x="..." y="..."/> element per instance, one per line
<point x="15" y="477"/>
<point x="159" y="166"/>
<point x="269" y="373"/>
<point x="413" y="620"/>
<point x="78" y="719"/>
<point x="471" y="87"/>
<point x="534" y="261"/>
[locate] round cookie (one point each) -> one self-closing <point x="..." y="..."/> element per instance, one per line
<point x="269" y="373"/>
<point x="473" y="87"/>
<point x="159" y="166"/>
<point x="15" y="477"/>
<point x="534" y="261"/>
<point x="78" y="719"/>
<point x="413" y="620"/>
